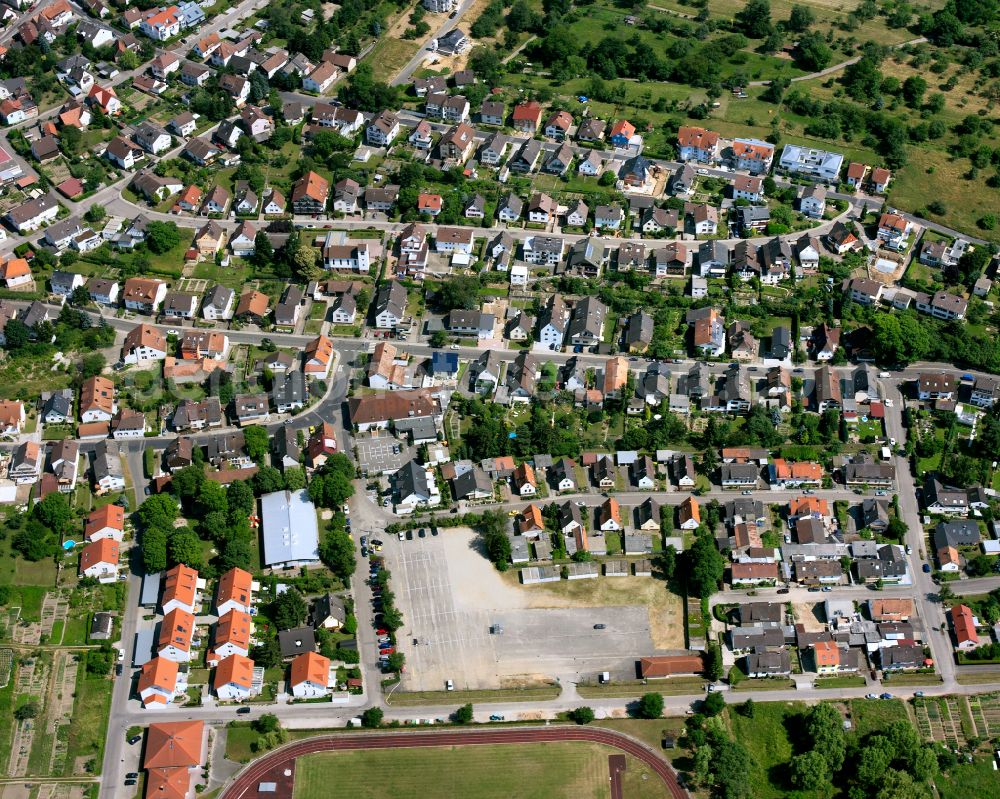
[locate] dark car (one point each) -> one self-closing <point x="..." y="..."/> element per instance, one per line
<point x="130" y="782"/>
<point x="927" y="568"/>
<point x="782" y="590"/>
<point x="134" y="740"/>
<point x="421" y="532"/>
<point x="132" y="775"/>
<point x="243" y="710"/>
<point x="409" y="535"/>
<point x="118" y="669"/>
<point x="600" y="626"/>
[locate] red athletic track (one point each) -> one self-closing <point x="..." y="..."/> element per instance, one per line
<point x="245" y="784"/>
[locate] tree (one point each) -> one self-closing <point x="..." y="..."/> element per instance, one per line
<point x="372" y="718"/>
<point x="154" y="549"/>
<point x="265" y="723"/>
<point x="162" y="237"/>
<point x="913" y="90"/>
<point x="607" y="179"/>
<point x="801" y="19"/>
<point x="748" y="709"/>
<point x="295" y="478"/>
<point x="263" y="250"/>
<point x="257" y="442"/>
<point x="582" y="715"/>
<point x="809" y="771"/>
<point x="337" y="553"/>
<point x="267" y="480"/>
<point x="755" y="19"/>
<point x="459" y="293"/>
<point x="713" y="666"/>
<point x="812" y="52"/>
<point x="463" y="715"/>
<point x="28" y="710"/>
<point x="53" y="512"/>
<point x="439" y="338"/>
<point x="492" y="528"/>
<point x="714" y="704"/>
<point x="945" y="595"/>
<point x="16" y="335"/>
<point x="705" y="566"/>
<point x="825" y="728"/>
<point x="183" y="546"/>
<point x="650" y="706"/>
<point x="289" y="610"/>
<point x="267" y="653"/>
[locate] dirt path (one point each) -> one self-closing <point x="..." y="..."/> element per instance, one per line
<point x="832" y="69"/>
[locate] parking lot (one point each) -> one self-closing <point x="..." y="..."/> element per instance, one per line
<point x="450" y="596"/>
<point x="376" y="455"/>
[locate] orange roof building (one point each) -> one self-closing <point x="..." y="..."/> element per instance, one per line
<point x="610" y="516"/>
<point x="890" y="609"/>
<point x="827" y="656"/>
<point x="232" y="636"/>
<point x="671" y="665"/>
<point x="318" y="356"/>
<point x="252" y="303"/>
<point x="176" y="632"/>
<point x="174" y="744"/>
<point x="233" y="678"/>
<point x="97" y="399"/>
<point x="15" y="271"/>
<point x="180" y="590"/>
<point x="808" y="506"/>
<point x="158" y="682"/>
<point x="234" y="592"/>
<point x="173" y="749"/>
<point x="310" y="675"/>
<point x="524" y="480"/>
<point x="108" y="521"/>
<point x="100" y="560"/>
<point x="144" y="343"/>
<point x="964" y="624"/>
<point x="531" y="520"/>
<point x="689" y="514"/>
<point x="309" y="193"/>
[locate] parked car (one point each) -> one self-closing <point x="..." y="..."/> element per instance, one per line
<point x="243" y="710"/>
<point x="134" y="740"/>
<point x="496" y="717"/>
<point x="782" y="590"/>
<point x="871" y="696"/>
<point x="926" y="568"/>
<point x="449" y="685"/>
<point x="885" y="696"/>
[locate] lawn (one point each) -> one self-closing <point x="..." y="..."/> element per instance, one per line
<point x="90" y="720"/>
<point x="768" y="736"/>
<point x="390" y="56"/>
<point x="412" y="698"/>
<point x="869" y="715"/>
<point x="968" y="779"/>
<point x="541" y="771"/>
<point x="963" y="199"/>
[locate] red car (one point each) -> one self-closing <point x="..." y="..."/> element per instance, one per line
<point x="388" y="651"/>
<point x="380" y="631"/>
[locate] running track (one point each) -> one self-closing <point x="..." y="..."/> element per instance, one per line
<point x="245" y="784"/>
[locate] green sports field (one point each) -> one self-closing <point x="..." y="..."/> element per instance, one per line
<point x="536" y="771"/>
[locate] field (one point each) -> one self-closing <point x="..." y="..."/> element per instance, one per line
<point x="390" y="56"/>
<point x="768" y="736"/>
<point x="666" y="620"/>
<point x="868" y="715"/>
<point x="527" y="694"/>
<point x="543" y="771"/>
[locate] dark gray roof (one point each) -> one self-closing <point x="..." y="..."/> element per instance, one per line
<point x="295" y="642"/>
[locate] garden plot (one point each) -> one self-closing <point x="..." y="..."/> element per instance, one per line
<point x="940" y="719"/>
<point x="986" y="714"/>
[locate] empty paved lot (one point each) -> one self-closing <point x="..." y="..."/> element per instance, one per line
<point x="376" y="455"/>
<point x="450" y="595"/>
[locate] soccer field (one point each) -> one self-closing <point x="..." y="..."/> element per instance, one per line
<point x="538" y="771"/>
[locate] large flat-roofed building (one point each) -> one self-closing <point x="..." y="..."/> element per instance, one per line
<point x="290" y="529"/>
